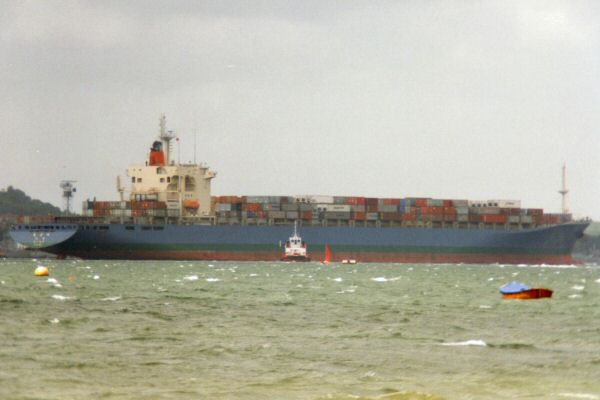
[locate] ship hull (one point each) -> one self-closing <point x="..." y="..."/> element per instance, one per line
<point x="549" y="245"/>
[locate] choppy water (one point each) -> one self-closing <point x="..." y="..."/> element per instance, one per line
<point x="212" y="330"/>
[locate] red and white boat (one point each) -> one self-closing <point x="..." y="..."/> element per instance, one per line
<point x="295" y="248"/>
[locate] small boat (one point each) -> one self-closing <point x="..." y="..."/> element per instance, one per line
<point x="295" y="248"/>
<point x="349" y="261"/>
<point x="327" y="258"/>
<point x="520" y="291"/>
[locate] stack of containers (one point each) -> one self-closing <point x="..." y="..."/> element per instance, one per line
<point x="124" y="209"/>
<point x="316" y="208"/>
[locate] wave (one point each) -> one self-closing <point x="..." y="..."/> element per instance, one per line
<point x="61" y="298"/>
<point x="403" y="395"/>
<point x="579" y="396"/>
<point x="512" y="346"/>
<point x="472" y="342"/>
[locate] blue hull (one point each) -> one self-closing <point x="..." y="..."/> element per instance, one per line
<point x="552" y="245"/>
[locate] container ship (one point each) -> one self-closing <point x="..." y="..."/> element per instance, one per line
<point x="170" y="214"/>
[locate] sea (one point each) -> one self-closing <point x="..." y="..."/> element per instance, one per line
<point x="247" y="330"/>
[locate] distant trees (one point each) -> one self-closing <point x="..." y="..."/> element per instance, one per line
<point x="16" y="202"/>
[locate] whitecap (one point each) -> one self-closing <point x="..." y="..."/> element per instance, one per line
<point x="484" y="306"/>
<point x="473" y="342"/>
<point x="351" y="289"/>
<point x="115" y="298"/>
<point x="211" y="265"/>
<point x="96" y="277"/>
<point x="61" y="298"/>
<point x="588" y="396"/>
<point x="598" y="280"/>
<point x="52" y="280"/>
<point x="212" y="279"/>
<point x="578" y="287"/>
<point x="54" y="321"/>
<point x="379" y="279"/>
<point x="338" y="279"/>
<point x="190" y="278"/>
<point x="490" y="279"/>
<point x="253" y="275"/>
<point x="575" y="296"/>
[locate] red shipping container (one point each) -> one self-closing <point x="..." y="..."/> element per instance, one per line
<point x="355" y="201"/>
<point x="474" y="218"/>
<point x="421" y="202"/>
<point x="448" y="203"/>
<point x="358" y="215"/>
<point x="535" y="211"/>
<point x="494" y="218"/>
<point x="449" y="211"/>
<point x="306" y="214"/>
<point x="408" y="217"/>
<point x="391" y="202"/>
<point x="253" y="207"/>
<point x="389" y="216"/>
<point x="372" y="208"/>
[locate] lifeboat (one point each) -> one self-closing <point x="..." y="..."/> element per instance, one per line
<point x="191" y="204"/>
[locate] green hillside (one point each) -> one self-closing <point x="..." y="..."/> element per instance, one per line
<point x="16" y="202"/>
<point x="593" y="229"/>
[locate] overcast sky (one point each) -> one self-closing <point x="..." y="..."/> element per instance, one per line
<point x="446" y="99"/>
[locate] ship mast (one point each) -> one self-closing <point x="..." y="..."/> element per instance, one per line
<point x="166" y="137"/>
<point x="564" y="189"/>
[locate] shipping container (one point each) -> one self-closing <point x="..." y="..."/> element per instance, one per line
<point x="289" y="207"/>
<point x="494" y="218"/>
<point x="388" y="208"/>
<point x="460" y="203"/>
<point x="372" y="216"/>
<point x="390" y="216"/>
<point x="336" y="215"/>
<point x="356" y="201"/>
<point x="291" y="214"/>
<point x="435" y="203"/>
<point x="224" y="207"/>
<point x="358" y="215"/>
<point x="306" y="215"/>
<point x="358" y="208"/>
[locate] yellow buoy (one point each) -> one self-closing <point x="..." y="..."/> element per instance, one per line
<point x="41" y="271"/>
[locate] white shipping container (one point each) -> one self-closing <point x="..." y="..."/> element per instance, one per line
<point x="311" y="198"/>
<point x="331" y="207"/>
<point x="504" y="203"/>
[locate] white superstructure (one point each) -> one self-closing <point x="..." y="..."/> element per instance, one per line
<point x="183" y="187"/>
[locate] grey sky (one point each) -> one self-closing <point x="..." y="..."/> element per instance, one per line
<point x="463" y="99"/>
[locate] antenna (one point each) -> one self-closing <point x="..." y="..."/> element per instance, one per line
<point x="68" y="190"/>
<point x="564" y="189"/>
<point x="195" y="134"/>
